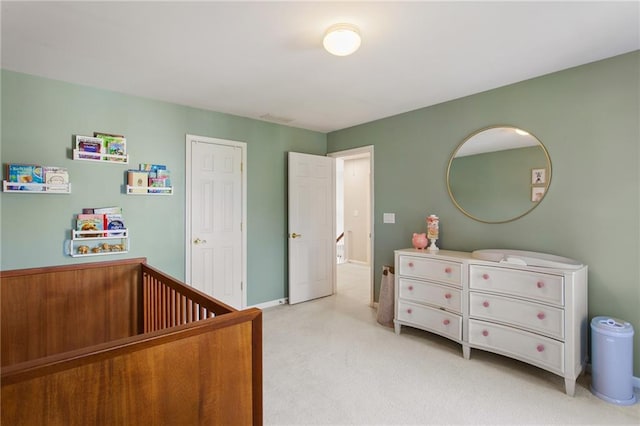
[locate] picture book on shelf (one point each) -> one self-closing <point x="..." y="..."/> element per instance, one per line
<point x="89" y="147"/>
<point x="113" y="145"/>
<point x="152" y="169"/>
<point x="138" y="181"/>
<point x="90" y="222"/>
<point x="107" y="210"/>
<point x="56" y="178"/>
<point x="24" y="173"/>
<point x="114" y="222"/>
<point x="164" y="174"/>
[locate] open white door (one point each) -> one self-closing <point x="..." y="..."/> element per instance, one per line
<point x="311" y="226"/>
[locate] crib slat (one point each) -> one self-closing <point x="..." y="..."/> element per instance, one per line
<point x="167" y="305"/>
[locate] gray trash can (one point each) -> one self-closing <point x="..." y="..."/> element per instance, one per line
<point x="612" y="360"/>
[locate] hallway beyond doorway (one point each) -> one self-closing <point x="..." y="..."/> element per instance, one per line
<point x="354" y="281"/>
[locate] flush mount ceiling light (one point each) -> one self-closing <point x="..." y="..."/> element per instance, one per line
<point x="342" y="39"/>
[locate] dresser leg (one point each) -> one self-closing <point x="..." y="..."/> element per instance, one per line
<point x="466" y="351"/>
<point x="397" y="326"/>
<point x="570" y="386"/>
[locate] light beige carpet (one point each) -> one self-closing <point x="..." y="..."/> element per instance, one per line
<point x="329" y="362"/>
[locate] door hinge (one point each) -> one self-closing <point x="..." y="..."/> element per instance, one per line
<point x="241" y="166"/>
<point x="241" y="285"/>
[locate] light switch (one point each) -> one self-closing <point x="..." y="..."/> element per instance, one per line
<point x="389" y="218"/>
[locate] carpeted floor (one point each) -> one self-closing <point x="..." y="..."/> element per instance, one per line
<point x="329" y="362"/>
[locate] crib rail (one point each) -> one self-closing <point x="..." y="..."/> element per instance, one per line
<point x="66" y="329"/>
<point x="169" y="303"/>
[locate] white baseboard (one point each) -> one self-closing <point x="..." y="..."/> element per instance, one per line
<point x="271" y="304"/>
<point x="356" y="262"/>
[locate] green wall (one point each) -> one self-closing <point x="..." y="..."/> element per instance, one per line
<point x="588" y="119"/>
<point x="39" y="119"/>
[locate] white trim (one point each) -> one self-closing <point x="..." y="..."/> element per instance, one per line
<point x="357" y="262"/>
<point x="271" y="304"/>
<point x="189" y="139"/>
<point x="355" y="153"/>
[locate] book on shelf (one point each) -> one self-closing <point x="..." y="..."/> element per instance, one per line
<point x="89" y="147"/>
<point x="138" y="181"/>
<point x="114" y="222"/>
<point x="56" y="178"/>
<point x="113" y="145"/>
<point x="24" y="173"/>
<point x="107" y="210"/>
<point x="90" y="222"/>
<point x="102" y="210"/>
<point x="164" y="174"/>
<point x="157" y="185"/>
<point x="152" y="167"/>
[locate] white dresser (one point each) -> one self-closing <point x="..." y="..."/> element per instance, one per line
<point x="537" y="314"/>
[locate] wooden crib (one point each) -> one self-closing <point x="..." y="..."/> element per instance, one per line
<point x="121" y="343"/>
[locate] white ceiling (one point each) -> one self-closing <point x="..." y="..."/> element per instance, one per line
<point x="265" y="59"/>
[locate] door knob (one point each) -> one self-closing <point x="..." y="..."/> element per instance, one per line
<point x="294" y="235"/>
<point x="199" y="241"/>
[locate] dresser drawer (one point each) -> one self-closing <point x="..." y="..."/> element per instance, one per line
<point x="521" y="313"/>
<point x="431" y="293"/>
<point x="529" y="347"/>
<point x="430" y="269"/>
<point x="544" y="287"/>
<point x="435" y="320"/>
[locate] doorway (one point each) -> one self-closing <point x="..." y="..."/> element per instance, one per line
<point x="354" y="221"/>
<point x="215" y="211"/>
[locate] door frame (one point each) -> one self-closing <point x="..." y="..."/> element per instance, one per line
<point x="189" y="139"/>
<point x="368" y="149"/>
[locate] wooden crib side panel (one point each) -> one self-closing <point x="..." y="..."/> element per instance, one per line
<point x="202" y="376"/>
<point x="51" y="310"/>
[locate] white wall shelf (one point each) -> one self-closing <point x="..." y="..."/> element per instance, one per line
<point x="36" y="188"/>
<point x="100" y="157"/>
<point x="85" y="243"/>
<point x="150" y="190"/>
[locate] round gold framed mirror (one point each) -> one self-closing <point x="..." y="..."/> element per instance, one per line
<point x="498" y="174"/>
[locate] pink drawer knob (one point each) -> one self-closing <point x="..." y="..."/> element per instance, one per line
<point x="410" y="288"/>
<point x="446" y="322"/>
<point x="409" y="310"/>
<point x="485" y="304"/>
<point x="447" y="270"/>
<point x="540" y="348"/>
<point x="485" y="333"/>
<point x="540" y="284"/>
<point x="410" y="264"/>
<point x="447" y="296"/>
<point x="541" y="315"/>
<point x="485" y="276"/>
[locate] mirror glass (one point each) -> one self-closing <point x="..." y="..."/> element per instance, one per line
<point x="498" y="174"/>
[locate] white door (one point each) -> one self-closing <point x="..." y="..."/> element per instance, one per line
<point x="311" y="226"/>
<point x="215" y="249"/>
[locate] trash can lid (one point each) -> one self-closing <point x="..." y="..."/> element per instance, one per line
<point x="611" y="325"/>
